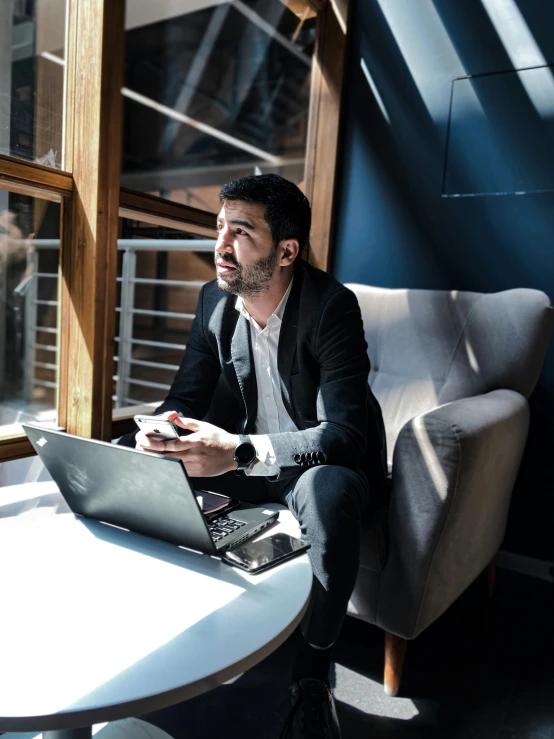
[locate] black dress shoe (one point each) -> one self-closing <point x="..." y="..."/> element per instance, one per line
<point x="313" y="714"/>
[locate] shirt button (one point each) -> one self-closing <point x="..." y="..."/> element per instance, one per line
<point x="267" y="397"/>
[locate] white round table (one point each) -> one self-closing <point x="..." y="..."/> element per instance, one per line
<point x="99" y="624"/>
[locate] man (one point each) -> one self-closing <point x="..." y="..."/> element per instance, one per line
<point x="307" y="432"/>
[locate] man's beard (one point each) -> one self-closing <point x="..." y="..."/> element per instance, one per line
<point x="249" y="282"/>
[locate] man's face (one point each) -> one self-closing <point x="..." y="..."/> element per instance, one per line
<point x="245" y="257"/>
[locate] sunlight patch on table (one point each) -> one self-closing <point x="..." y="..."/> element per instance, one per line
<point x="95" y="579"/>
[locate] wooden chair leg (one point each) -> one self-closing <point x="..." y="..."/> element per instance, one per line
<point x="491" y="577"/>
<point x="395" y="651"/>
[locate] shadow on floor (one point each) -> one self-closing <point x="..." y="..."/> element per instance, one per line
<point x="484" y="670"/>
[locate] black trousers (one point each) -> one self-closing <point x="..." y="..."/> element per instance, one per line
<point x="328" y="502"/>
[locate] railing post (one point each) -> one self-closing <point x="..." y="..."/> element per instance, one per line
<point x="31" y="293"/>
<point x="126" y="326"/>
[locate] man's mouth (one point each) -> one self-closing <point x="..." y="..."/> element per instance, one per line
<point x="225" y="267"/>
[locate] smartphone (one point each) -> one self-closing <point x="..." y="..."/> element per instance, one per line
<point x="158" y="429"/>
<point x="256" y="556"/>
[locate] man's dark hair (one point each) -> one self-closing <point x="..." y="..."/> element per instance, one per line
<point x="287" y="210"/>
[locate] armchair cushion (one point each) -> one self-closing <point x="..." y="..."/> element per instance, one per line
<point x="430" y="347"/>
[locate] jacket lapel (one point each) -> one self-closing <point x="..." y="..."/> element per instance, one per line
<point x="287" y="342"/>
<point x="243" y="362"/>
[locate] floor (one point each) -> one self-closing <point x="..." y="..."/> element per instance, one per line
<point x="485" y="670"/>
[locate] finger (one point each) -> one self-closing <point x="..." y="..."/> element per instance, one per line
<point x="168" y="415"/>
<point x="152" y="448"/>
<point x="185" y="456"/>
<point x="141" y="439"/>
<point x="186" y="423"/>
<point x="182" y="444"/>
<point x="145" y="442"/>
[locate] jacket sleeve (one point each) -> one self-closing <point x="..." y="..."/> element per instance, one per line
<point x="341" y="398"/>
<point x="193" y="387"/>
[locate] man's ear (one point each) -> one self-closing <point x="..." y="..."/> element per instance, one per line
<point x="289" y="251"/>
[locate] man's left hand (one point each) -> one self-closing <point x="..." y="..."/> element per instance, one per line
<point x="207" y="452"/>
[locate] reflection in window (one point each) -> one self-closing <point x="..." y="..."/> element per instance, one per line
<point x="214" y="93"/>
<point x="160" y="274"/>
<point x="29" y="246"/>
<point x="32" y="39"/>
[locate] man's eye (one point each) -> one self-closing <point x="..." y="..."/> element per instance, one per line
<point x="239" y="231"/>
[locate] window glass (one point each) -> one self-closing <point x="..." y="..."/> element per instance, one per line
<point x="214" y="92"/>
<point x="160" y="273"/>
<point x="29" y="247"/>
<point x="29" y="469"/>
<point x="32" y="53"/>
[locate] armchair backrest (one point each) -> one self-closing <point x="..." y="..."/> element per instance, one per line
<point x="429" y="347"/>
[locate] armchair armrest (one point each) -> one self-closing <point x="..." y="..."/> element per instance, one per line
<point x="453" y="472"/>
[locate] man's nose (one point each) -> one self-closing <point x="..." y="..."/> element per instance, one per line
<point x="224" y="241"/>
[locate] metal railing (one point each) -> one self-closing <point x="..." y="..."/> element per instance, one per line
<point x="125" y="342"/>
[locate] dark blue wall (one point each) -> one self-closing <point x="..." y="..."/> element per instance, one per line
<point x="495" y="134"/>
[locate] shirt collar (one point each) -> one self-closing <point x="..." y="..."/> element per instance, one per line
<point x="277" y="313"/>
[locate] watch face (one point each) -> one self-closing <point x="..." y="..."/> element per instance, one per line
<point x="245" y="453"/>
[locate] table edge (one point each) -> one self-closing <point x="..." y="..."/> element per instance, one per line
<point x="74" y="719"/>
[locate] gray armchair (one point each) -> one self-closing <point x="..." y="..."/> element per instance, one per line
<point x="452" y="372"/>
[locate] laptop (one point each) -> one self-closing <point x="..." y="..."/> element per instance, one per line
<point x="140" y="491"/>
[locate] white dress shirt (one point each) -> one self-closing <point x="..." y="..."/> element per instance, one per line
<point x="272" y="415"/>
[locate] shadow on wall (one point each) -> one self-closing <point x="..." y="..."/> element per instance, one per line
<point x="408" y="141"/>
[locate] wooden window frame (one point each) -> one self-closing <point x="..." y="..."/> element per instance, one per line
<point x="320" y="175"/>
<point x="92" y="200"/>
<point x="34" y="180"/>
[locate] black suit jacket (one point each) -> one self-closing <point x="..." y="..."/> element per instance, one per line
<point x="323" y="372"/>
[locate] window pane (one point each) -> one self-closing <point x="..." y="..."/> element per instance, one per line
<point x="160" y="273"/>
<point x="16" y="472"/>
<point x="213" y="94"/>
<point x="32" y="41"/>
<point x="29" y="245"/>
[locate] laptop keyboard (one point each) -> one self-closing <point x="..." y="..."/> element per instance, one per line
<point x="224" y="526"/>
